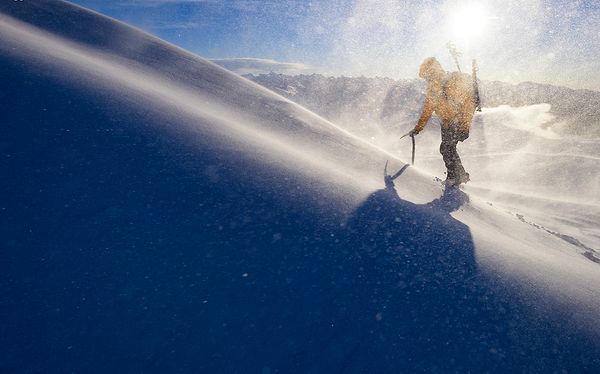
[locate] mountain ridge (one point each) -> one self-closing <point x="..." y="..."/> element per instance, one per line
<point x="393" y="101"/>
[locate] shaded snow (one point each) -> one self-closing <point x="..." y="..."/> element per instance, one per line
<point x="164" y="214"/>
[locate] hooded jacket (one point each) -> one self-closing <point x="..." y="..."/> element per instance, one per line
<point x="449" y="95"/>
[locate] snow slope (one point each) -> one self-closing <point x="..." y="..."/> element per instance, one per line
<point x="526" y="168"/>
<point x="519" y="156"/>
<point x="162" y="214"/>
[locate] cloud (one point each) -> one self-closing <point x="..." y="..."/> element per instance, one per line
<point x="160" y="2"/>
<point x="155" y="3"/>
<point x="186" y="25"/>
<point x="247" y="65"/>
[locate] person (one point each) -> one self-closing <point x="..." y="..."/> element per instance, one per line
<point x="451" y="97"/>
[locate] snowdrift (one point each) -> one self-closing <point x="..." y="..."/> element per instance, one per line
<point x="162" y="214"/>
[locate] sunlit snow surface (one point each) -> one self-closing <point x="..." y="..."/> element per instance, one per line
<point x="520" y="163"/>
<point x="528" y="153"/>
<point x="162" y="214"/>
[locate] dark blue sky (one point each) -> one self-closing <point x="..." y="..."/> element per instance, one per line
<point x="536" y="40"/>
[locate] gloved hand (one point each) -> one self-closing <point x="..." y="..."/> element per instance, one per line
<point x="411" y="133"/>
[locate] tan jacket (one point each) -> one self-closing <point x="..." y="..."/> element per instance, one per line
<point x="451" y="99"/>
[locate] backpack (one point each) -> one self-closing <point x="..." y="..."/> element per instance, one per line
<point x="465" y="87"/>
<point x="458" y="89"/>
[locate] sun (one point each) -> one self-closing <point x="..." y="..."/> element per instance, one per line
<point x="468" y="22"/>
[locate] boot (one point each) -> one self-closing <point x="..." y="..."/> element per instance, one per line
<point x="464" y="178"/>
<point x="452" y="180"/>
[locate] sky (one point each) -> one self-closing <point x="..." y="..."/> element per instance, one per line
<point x="545" y="41"/>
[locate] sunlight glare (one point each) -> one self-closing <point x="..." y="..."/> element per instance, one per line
<point x="468" y="22"/>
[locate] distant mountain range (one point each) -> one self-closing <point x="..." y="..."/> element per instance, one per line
<point x="363" y="103"/>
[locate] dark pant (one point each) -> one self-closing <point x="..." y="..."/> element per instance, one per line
<point x="451" y="135"/>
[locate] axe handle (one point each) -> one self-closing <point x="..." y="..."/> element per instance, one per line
<point x="412" y="162"/>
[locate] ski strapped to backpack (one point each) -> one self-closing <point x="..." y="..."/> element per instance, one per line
<point x="476" y="97"/>
<point x="455" y="54"/>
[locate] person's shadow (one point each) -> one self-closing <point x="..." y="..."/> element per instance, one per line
<point x="416" y="267"/>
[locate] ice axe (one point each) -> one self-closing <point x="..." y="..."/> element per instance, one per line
<point x="412" y="136"/>
<point x="389" y="179"/>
